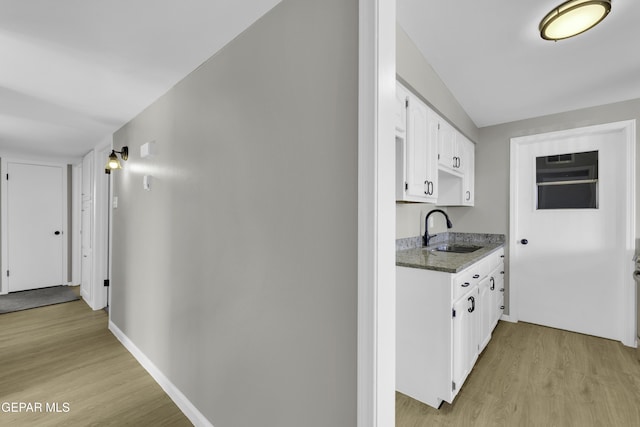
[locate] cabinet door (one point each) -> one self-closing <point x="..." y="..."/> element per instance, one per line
<point x="447" y="146"/>
<point x="432" y="157"/>
<point x="467" y="165"/>
<point x="465" y="337"/>
<point x="402" y="96"/>
<point x="485" y="307"/>
<point x="416" y="153"/>
<point x="416" y="149"/>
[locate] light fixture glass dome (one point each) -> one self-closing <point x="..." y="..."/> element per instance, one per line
<point x="113" y="162"/>
<point x="572" y="18"/>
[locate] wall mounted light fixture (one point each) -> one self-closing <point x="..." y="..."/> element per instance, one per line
<point x="113" y="162"/>
<point x="573" y="17"/>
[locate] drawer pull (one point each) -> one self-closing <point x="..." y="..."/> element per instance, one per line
<point x="493" y="283"/>
<point x="502" y="307"/>
<point x="476" y="276"/>
<point x="465" y="284"/>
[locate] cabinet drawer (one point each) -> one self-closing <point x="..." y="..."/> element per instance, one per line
<point x="485" y="266"/>
<point x="465" y="280"/>
<point x="496" y="259"/>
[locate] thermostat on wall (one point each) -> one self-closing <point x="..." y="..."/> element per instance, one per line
<point x="148" y="149"/>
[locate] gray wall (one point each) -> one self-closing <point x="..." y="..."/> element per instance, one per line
<point x="237" y="273"/>
<point x="413" y="69"/>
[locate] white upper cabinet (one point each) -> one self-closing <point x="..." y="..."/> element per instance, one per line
<point x="432" y="156"/>
<point x="402" y="99"/>
<point x="426" y="145"/>
<point x="457" y="177"/>
<point x="416" y="151"/>
<point x="448" y="153"/>
<point x="468" y="157"/>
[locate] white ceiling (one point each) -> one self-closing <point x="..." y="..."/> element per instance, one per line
<point x="490" y="55"/>
<point x="72" y="72"/>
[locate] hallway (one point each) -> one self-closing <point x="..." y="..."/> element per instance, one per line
<point x="60" y="365"/>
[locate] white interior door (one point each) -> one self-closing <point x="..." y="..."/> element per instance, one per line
<point x="568" y="265"/>
<point x="35" y="225"/>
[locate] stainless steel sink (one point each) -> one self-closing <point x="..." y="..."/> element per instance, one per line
<point x="458" y="249"/>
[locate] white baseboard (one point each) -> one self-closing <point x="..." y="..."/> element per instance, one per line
<point x="174" y="393"/>
<point x="508" y="318"/>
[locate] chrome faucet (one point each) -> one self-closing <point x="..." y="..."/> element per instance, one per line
<point x="426" y="237"/>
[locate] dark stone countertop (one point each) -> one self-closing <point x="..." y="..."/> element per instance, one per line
<point x="428" y="259"/>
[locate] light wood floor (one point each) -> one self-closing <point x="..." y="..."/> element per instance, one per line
<point x="65" y="354"/>
<point x="535" y="376"/>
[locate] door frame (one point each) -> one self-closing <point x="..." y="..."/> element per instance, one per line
<point x="101" y="226"/>
<point x="4" y="226"/>
<point x="376" y="213"/>
<point x="76" y="224"/>
<point x="97" y="297"/>
<point x="628" y="128"/>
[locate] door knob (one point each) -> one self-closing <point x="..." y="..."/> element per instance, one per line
<point x="524" y="241"/>
<point x="57" y="233"/>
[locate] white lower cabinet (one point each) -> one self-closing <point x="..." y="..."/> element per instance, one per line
<point x="465" y="337"/>
<point x="443" y="321"/>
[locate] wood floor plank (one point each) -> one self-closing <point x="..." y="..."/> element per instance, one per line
<point x="65" y="354"/>
<point x="531" y="375"/>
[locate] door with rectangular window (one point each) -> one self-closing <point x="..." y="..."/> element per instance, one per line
<point x="35" y="225"/>
<point x="570" y="233"/>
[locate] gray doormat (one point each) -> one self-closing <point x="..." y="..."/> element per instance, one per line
<point x="24" y="300"/>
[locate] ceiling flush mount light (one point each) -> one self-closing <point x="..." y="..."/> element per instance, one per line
<point x="572" y="18"/>
<point x="113" y="162"/>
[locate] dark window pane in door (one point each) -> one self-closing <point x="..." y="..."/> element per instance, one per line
<point x="567" y="181"/>
<point x="574" y="196"/>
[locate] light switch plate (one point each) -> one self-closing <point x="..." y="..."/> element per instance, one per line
<point x="148" y="149"/>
